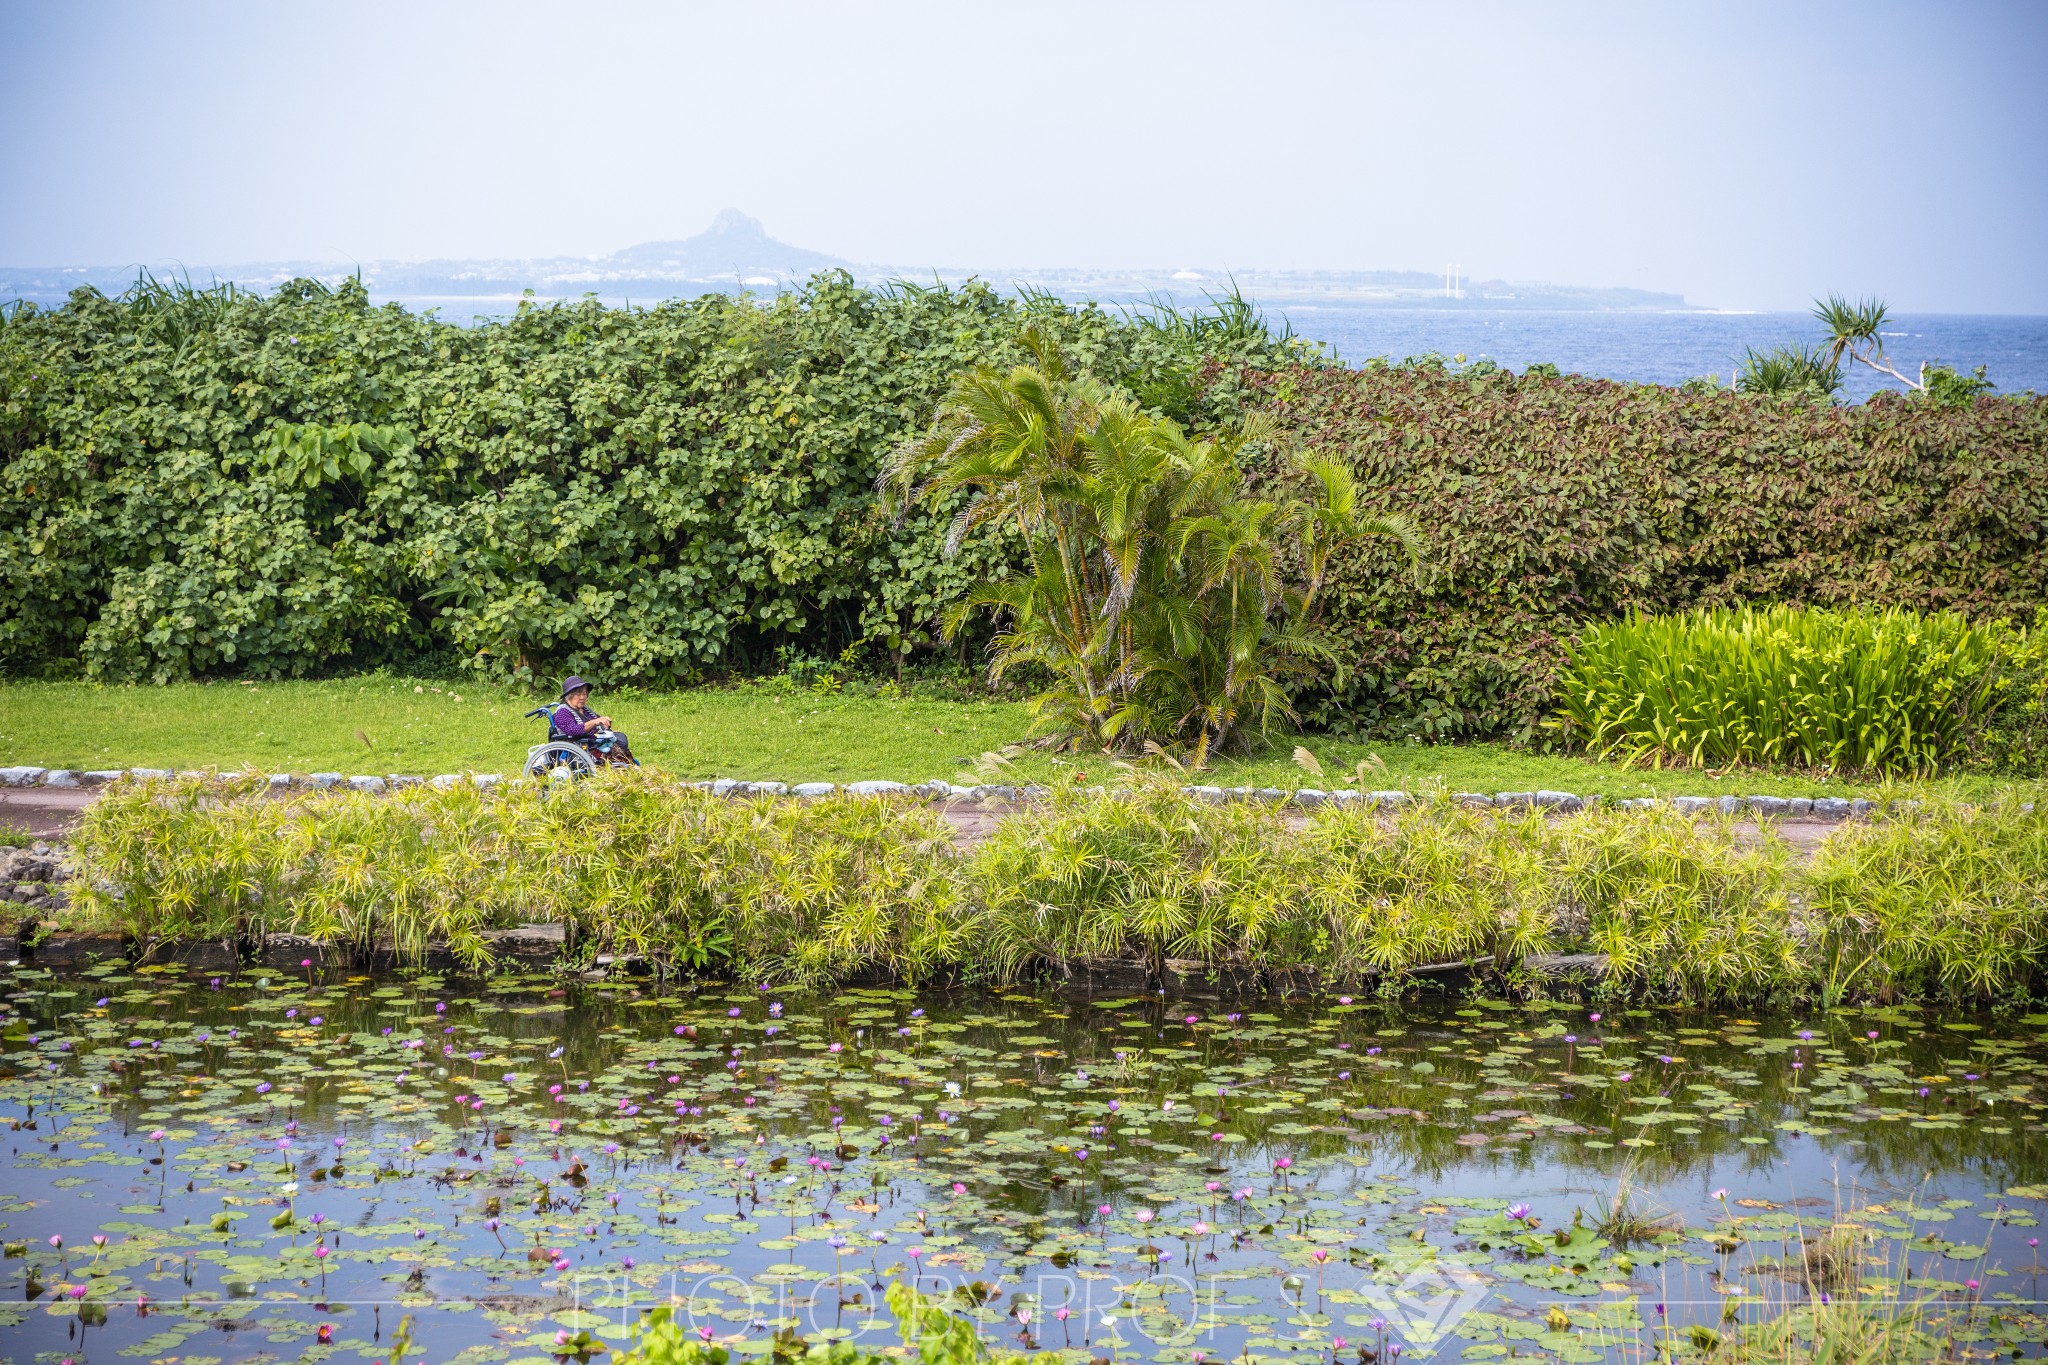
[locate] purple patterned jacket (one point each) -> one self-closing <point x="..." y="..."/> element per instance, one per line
<point x="573" y="723"/>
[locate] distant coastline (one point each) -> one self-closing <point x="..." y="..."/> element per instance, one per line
<point x="549" y="281"/>
<point x="1633" y="335"/>
<point x="736" y="254"/>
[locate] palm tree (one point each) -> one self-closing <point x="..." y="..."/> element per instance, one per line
<point x="1856" y="330"/>
<point x="1167" y="606"/>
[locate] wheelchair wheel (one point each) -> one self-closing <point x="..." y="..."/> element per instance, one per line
<point x="559" y="762"/>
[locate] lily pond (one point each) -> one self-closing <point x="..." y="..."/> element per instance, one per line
<point x="205" y="1170"/>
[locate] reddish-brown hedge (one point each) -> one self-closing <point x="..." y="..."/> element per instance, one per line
<point x="1553" y="502"/>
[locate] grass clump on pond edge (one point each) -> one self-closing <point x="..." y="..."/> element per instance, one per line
<point x="637" y="865"/>
<point x="1934" y="899"/>
<point x="1951" y="900"/>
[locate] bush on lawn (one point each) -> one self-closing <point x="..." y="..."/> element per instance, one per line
<point x="2014" y="735"/>
<point x="1166" y="605"/>
<point x="1888" y="691"/>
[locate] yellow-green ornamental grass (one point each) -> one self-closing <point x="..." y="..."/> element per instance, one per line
<point x="1941" y="900"/>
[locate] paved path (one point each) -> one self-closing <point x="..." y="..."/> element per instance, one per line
<point x="44" y="811"/>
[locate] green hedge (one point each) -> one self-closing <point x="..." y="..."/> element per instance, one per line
<point x="213" y="484"/>
<point x="199" y="483"/>
<point x="1550" y="503"/>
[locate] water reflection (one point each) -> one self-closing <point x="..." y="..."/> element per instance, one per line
<point x="505" y="1160"/>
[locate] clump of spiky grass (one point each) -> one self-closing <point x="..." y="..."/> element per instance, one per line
<point x="1933" y="898"/>
<point x="1831" y="1259"/>
<point x="1680" y="906"/>
<point x="1892" y="691"/>
<point x="1943" y="899"/>
<point x="639" y="864"/>
<point x="1627" y="1221"/>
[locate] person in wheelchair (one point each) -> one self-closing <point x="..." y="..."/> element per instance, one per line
<point x="575" y="722"/>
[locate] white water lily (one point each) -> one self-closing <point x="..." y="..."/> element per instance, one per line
<point x="289" y="1188"/>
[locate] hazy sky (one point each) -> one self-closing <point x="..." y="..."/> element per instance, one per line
<point x="1746" y="155"/>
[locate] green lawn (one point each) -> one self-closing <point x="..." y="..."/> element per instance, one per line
<point x="390" y="725"/>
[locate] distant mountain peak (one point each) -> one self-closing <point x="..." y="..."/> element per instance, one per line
<point x="732" y="221"/>
<point x="734" y="246"/>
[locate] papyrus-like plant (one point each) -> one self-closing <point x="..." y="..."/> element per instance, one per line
<point x="1923" y="900"/>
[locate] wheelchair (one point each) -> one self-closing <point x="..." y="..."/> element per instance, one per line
<point x="559" y="758"/>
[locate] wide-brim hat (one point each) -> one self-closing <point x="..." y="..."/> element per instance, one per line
<point x="572" y="683"/>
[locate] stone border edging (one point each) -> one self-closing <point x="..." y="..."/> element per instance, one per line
<point x="1825" y="808"/>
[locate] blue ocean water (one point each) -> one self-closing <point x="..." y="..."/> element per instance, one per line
<point x="1668" y="348"/>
